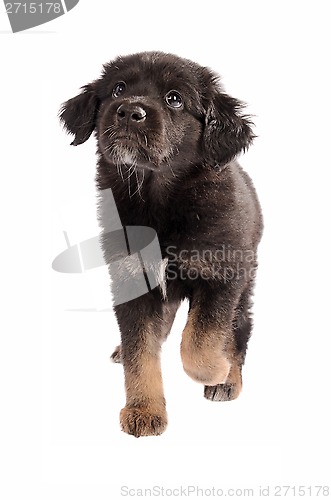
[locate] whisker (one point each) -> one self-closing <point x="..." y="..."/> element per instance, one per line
<point x="129" y="184"/>
<point x="173" y="173"/>
<point x="131" y="171"/>
<point x="108" y="129"/>
<point x="139" y="184"/>
<point x="121" y="171"/>
<point x="142" y="182"/>
<point x="168" y="159"/>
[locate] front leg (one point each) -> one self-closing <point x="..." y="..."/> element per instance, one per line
<point x="242" y="326"/>
<point x="208" y="347"/>
<point x="169" y="310"/>
<point x="140" y="322"/>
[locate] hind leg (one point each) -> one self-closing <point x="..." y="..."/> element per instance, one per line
<point x="242" y="325"/>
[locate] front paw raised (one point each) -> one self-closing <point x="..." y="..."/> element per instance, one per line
<point x="143" y="421"/>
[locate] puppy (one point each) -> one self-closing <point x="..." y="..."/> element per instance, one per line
<point x="168" y="137"/>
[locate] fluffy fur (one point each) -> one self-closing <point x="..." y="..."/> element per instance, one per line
<point x="168" y="136"/>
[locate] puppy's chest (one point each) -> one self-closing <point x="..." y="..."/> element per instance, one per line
<point x="179" y="222"/>
<point x="186" y="218"/>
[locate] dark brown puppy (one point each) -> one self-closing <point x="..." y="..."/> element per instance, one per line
<point x="168" y="121"/>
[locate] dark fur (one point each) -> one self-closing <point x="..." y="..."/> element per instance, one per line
<point x="187" y="186"/>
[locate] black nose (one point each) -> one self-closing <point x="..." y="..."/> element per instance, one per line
<point x="131" y="112"/>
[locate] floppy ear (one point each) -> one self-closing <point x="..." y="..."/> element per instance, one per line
<point x="78" y="115"/>
<point x="227" y="132"/>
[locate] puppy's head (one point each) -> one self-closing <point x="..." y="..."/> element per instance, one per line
<point x="155" y="110"/>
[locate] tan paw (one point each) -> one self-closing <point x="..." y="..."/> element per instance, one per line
<point x="142" y="421"/>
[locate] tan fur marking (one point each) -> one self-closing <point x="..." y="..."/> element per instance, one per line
<point x="235" y="380"/>
<point x="206" y="361"/>
<point x="144" y="383"/>
<point x="144" y="413"/>
<point x="234" y="375"/>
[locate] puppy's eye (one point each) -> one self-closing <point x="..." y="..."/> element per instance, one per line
<point x="174" y="99"/>
<point x="118" y="89"/>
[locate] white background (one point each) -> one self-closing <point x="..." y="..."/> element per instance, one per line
<point x="58" y="388"/>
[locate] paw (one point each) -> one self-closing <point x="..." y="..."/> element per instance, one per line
<point x="116" y="357"/>
<point x="222" y="392"/>
<point x="207" y="364"/>
<point x="142" y="421"/>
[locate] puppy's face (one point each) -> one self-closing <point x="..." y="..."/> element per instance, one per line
<point x="149" y="113"/>
<point x="158" y="111"/>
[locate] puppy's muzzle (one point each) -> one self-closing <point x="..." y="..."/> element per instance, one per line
<point x="130" y="113"/>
